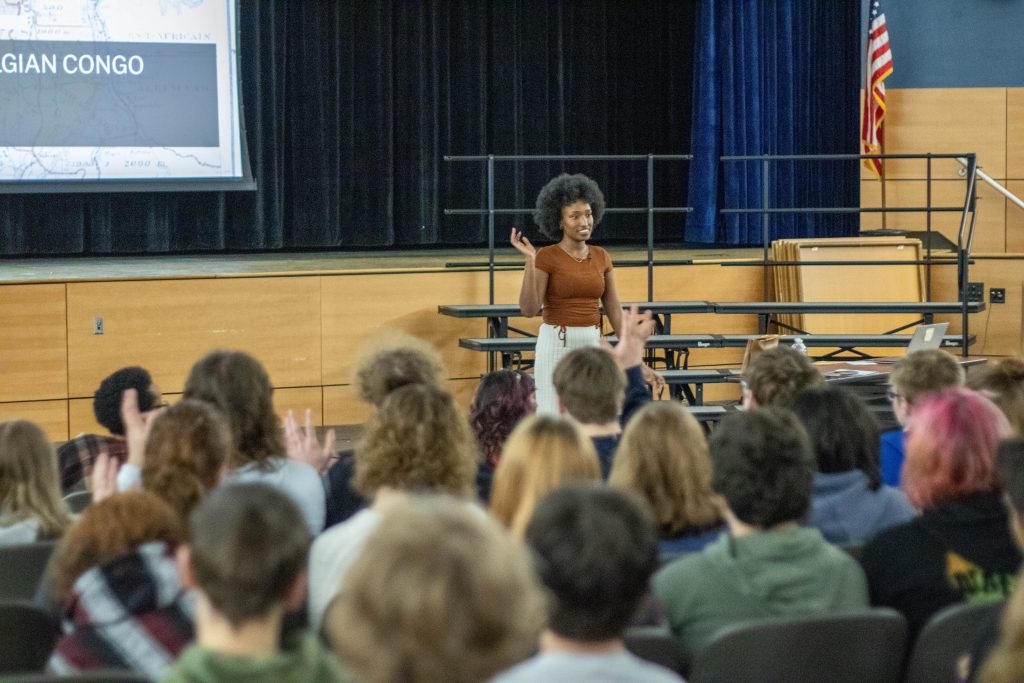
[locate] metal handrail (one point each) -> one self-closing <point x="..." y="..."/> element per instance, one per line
<point x="491" y="211"/>
<point x="965" y="234"/>
<point x="968" y="215"/>
<point x="996" y="185"/>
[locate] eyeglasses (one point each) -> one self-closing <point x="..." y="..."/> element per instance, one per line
<point x="891" y="394"/>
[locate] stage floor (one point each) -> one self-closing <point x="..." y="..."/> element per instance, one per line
<point x="159" y="267"/>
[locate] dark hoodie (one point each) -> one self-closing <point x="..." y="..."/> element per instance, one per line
<point x="959" y="551"/>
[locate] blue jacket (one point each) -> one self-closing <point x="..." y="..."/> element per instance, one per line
<point x="846" y="510"/>
<point x="892" y="445"/>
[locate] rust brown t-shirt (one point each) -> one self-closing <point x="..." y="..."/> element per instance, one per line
<point x="575" y="288"/>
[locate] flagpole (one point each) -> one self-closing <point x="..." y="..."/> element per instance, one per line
<point x="881" y="172"/>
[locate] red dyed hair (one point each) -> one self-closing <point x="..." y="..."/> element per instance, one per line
<point x="952" y="446"/>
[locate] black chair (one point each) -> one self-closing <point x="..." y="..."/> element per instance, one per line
<point x="859" y="647"/>
<point x="27" y="637"/>
<point x="23" y="566"/>
<point x="655" y="644"/>
<point x="78" y="501"/>
<point x="105" y="676"/>
<point x="945" y="638"/>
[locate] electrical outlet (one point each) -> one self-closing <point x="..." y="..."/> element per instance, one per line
<point x="997" y="295"/>
<point x="97" y="325"/>
<point x="975" y="291"/>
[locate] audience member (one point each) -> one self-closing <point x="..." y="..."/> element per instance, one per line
<point x="542" y="454"/>
<point x="960" y="548"/>
<point x="600" y="389"/>
<point x="115" y="578"/>
<point x="663" y="457"/>
<point x="595" y="551"/>
<point x="246" y="558"/>
<point x="416" y="442"/>
<point x="1003" y="636"/>
<point x="439" y="593"/>
<point x="236" y="384"/>
<point x="1002" y="381"/>
<point x="914" y="376"/>
<point x="503" y="398"/>
<point x="76" y="457"/>
<point x="849" y="503"/>
<point x="186" y="454"/>
<point x="398" y="361"/>
<point x="31" y="508"/>
<point x="776" y="376"/>
<point x="767" y="565"/>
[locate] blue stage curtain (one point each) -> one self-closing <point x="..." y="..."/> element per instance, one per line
<point x="774" y="77"/>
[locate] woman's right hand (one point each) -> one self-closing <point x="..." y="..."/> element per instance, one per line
<point x="522" y="244"/>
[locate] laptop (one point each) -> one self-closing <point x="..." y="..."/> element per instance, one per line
<point x="926" y="337"/>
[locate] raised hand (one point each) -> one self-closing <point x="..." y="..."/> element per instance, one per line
<point x="136" y="426"/>
<point x="522" y="244"/>
<point x="302" y="444"/>
<point x="104" y="477"/>
<point x="636" y="329"/>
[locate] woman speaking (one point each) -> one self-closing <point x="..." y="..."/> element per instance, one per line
<point x="568" y="280"/>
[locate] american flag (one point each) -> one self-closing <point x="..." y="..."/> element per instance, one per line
<point x="879" y="66"/>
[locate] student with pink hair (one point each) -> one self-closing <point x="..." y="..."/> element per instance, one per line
<point x="960" y="548"/>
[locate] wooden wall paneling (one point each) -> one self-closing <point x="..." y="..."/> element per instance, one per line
<point x="463" y="391"/>
<point x="298" y="399"/>
<point x="945" y="120"/>
<point x="82" y="420"/>
<point x="33" y="343"/>
<point x="342" y="406"/>
<point x="360" y="309"/>
<point x="1015" y="219"/>
<point x="990" y="225"/>
<point x="1014" y="134"/>
<point x="998" y="327"/>
<point x="51" y="416"/>
<point x="166" y="325"/>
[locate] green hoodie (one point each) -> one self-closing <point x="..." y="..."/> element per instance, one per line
<point x="306" y="662"/>
<point x="785" y="572"/>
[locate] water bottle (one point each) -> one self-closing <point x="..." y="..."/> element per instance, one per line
<point x="798" y="345"/>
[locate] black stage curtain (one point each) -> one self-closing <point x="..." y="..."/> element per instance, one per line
<point x="351" y="105"/>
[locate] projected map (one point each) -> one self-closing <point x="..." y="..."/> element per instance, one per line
<point x="118" y="90"/>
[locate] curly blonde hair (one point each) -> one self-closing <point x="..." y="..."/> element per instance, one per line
<point x="187" y="449"/>
<point x="108" y="529"/>
<point x="400" y="360"/>
<point x="439" y="593"/>
<point x="416" y="441"/>
<point x="663" y="457"/>
<point x="541" y="454"/>
<point x="29" y="484"/>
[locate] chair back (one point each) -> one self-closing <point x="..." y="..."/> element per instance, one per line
<point x="78" y="501"/>
<point x="23" y="566"/>
<point x="27" y="637"/>
<point x="655" y="644"/>
<point x="945" y="638"/>
<point x="859" y="647"/>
